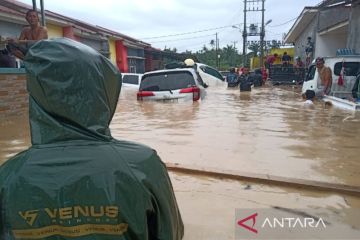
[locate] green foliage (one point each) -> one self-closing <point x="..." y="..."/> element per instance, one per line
<point x="254" y="48"/>
<point x="229" y="57"/>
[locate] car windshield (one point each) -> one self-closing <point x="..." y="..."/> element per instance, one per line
<point x="311" y="73"/>
<point x="165" y="81"/>
<point x="130" y="79"/>
<point x="212" y="72"/>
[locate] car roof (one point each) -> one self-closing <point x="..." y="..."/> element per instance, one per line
<point x="133" y="74"/>
<point x="355" y="58"/>
<point x="171" y="70"/>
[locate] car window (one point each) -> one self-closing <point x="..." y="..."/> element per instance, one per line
<point x="167" y="81"/>
<point x="350" y="68"/>
<point x="311" y="73"/>
<point x="131" y="79"/>
<point x="199" y="79"/>
<point x="213" y="72"/>
<point x="224" y="73"/>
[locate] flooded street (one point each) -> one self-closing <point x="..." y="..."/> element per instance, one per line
<point x="267" y="131"/>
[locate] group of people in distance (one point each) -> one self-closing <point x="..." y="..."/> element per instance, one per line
<point x="244" y="79"/>
<point x="285" y="59"/>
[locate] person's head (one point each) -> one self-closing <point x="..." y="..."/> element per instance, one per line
<point x="285" y="53"/>
<point x="232" y="70"/>
<point x="309" y="39"/>
<point x="275" y="55"/>
<point x="320" y="62"/>
<point x="32" y="17"/>
<point x="309" y="94"/>
<point x="246" y="70"/>
<point x="258" y="71"/>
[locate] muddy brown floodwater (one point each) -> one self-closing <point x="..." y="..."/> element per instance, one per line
<point x="268" y="131"/>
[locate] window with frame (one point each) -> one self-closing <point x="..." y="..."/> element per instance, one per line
<point x="350" y="68"/>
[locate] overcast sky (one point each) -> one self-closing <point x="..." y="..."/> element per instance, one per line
<point x="150" y="20"/>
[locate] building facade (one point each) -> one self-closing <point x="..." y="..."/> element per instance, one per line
<point x="127" y="53"/>
<point x="332" y="25"/>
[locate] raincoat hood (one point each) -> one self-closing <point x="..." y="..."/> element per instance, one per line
<point x="73" y="91"/>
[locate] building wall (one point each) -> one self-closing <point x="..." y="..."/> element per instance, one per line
<point x="54" y="31"/>
<point x="136" y="65"/>
<point x="121" y="56"/>
<point x="13" y="95"/>
<point x="354" y="29"/>
<point x="327" y="44"/>
<point x="333" y="16"/>
<point x="9" y="29"/>
<point x="112" y="51"/>
<point x="300" y="43"/>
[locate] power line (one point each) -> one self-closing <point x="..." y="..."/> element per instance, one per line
<point x="179" y="39"/>
<point x="179" y="34"/>
<point x="281" y="24"/>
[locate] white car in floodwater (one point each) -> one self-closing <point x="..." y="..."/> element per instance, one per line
<point x="171" y="84"/>
<point x="131" y="80"/>
<point x="340" y="95"/>
<point x="210" y="75"/>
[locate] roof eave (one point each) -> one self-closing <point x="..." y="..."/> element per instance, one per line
<point x="303" y="19"/>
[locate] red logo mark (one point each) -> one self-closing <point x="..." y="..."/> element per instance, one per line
<point x="252" y="229"/>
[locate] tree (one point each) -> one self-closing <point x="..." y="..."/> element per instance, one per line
<point x="229" y="57"/>
<point x="274" y="44"/>
<point x="254" y="48"/>
<point x="212" y="43"/>
<point x="205" y="49"/>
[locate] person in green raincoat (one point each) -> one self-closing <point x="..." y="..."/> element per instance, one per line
<point x="76" y="181"/>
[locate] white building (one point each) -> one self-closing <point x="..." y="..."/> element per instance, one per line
<point x="332" y="25"/>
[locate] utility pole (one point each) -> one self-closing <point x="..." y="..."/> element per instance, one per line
<point x="234" y="54"/>
<point x="216" y="49"/>
<point x="262" y="35"/>
<point x="253" y="6"/>
<point x="244" y="35"/>
<point x="234" y="43"/>
<point x="219" y="57"/>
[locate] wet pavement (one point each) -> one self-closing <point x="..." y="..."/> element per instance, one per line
<point x="268" y="131"/>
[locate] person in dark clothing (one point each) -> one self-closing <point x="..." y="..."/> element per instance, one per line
<point x="232" y="78"/>
<point x="258" y="80"/>
<point x="7" y="60"/>
<point x="286" y="59"/>
<point x="76" y="181"/>
<point x="246" y="80"/>
<point x="356" y="88"/>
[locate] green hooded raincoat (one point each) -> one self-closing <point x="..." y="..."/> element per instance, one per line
<point x="76" y="181"/>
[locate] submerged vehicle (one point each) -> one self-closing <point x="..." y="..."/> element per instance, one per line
<point x="131" y="80"/>
<point x="210" y="75"/>
<point x="170" y="84"/>
<point x="344" y="71"/>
